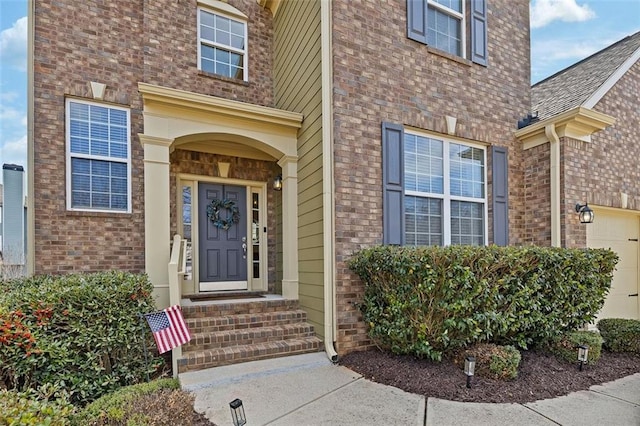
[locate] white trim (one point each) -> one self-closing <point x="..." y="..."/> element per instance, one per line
<point x="69" y="156"/>
<point x="612" y="80"/>
<point x="244" y="52"/>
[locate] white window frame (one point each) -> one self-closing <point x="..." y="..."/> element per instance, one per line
<point x="446" y="196"/>
<point x="244" y="52"/>
<point x="460" y="16"/>
<point x="69" y="155"/>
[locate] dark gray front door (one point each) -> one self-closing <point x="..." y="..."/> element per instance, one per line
<point x="223" y="252"/>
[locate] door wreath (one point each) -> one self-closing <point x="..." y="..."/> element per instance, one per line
<point x="213" y="213"/>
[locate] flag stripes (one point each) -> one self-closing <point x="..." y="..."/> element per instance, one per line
<point x="168" y="328"/>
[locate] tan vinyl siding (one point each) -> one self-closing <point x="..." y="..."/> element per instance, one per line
<point x="298" y="77"/>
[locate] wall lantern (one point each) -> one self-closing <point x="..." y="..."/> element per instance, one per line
<point x="583" y="354"/>
<point x="585" y="213"/>
<point x="469" y="366"/>
<point x="237" y="412"/>
<point x="277" y="183"/>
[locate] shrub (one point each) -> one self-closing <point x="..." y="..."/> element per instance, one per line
<point x="566" y="346"/>
<point x="493" y="361"/>
<point x="620" y="335"/>
<point x="159" y="402"/>
<point x="80" y="332"/>
<point x="428" y="300"/>
<point x="45" y="406"/>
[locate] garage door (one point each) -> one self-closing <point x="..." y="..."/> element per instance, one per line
<point x="619" y="232"/>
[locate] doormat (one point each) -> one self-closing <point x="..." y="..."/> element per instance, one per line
<point x="205" y="297"/>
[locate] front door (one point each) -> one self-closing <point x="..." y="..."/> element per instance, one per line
<point x="222" y="218"/>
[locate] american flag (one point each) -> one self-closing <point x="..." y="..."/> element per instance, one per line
<point x="168" y="328"/>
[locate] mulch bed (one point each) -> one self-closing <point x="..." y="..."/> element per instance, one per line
<point x="540" y="376"/>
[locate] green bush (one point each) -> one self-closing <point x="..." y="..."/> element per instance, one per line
<point x="620" y="335"/>
<point x="79" y="332"/>
<point x="566" y="346"/>
<point x="45" y="406"/>
<point x="155" y="403"/>
<point x="429" y="300"/>
<point x="493" y="361"/>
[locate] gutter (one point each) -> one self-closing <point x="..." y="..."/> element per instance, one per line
<point x="31" y="214"/>
<point x="328" y="210"/>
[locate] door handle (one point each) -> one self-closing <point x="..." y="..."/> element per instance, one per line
<point x="244" y="250"/>
<point x="633" y="295"/>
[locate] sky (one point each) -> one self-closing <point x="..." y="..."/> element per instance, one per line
<point x="563" y="32"/>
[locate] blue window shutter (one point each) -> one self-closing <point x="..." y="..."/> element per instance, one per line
<point x="417" y="20"/>
<point x="479" y="31"/>
<point x="393" y="183"/>
<point x="500" y="162"/>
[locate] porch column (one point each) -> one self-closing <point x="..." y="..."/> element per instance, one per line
<point x="156" y="215"/>
<point x="289" y="165"/>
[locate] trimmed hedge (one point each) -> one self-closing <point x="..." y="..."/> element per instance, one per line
<point x="45" y="406"/>
<point x="153" y="403"/>
<point x="620" y="335"/>
<point x="566" y="347"/>
<point x="428" y="300"/>
<point x="81" y="332"/>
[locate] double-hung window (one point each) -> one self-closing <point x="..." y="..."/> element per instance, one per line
<point x="98" y="157"/>
<point x="447" y="24"/>
<point x="444" y="191"/>
<point x="222" y="46"/>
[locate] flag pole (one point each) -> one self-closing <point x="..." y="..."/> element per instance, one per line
<point x="144" y="345"/>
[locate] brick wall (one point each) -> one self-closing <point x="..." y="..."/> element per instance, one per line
<point x="599" y="171"/>
<point x="119" y="44"/>
<point x="537" y="187"/>
<point x="380" y="75"/>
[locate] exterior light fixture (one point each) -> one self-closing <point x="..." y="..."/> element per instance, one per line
<point x="583" y="354"/>
<point x="277" y="183"/>
<point x="237" y="412"/>
<point x="469" y="366"/>
<point x="585" y="213"/>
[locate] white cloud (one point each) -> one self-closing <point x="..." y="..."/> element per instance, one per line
<point x="9" y="115"/>
<point x="13" y="45"/>
<point x="15" y="151"/>
<point x="543" y="12"/>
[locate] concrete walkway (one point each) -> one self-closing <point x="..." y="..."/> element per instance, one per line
<point x="309" y="390"/>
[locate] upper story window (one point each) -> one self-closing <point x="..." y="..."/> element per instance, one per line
<point x="443" y="25"/>
<point x="445" y="21"/>
<point x="222" y="44"/>
<point x="98" y="157"/>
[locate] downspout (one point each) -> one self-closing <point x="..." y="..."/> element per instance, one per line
<point x="31" y="214"/>
<point x="554" y="159"/>
<point x="328" y="226"/>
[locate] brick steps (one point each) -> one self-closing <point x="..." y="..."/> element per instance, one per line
<point x="231" y="333"/>
<point x="226" y="338"/>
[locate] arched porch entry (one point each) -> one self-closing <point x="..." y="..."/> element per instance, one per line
<point x="180" y="120"/>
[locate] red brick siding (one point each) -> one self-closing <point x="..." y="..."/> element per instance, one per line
<point x="119" y="44"/>
<point x="381" y="75"/>
<point x="537" y="187"/>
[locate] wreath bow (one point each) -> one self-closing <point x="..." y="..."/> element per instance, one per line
<point x="213" y="213"/>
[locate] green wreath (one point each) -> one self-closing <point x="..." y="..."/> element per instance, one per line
<point x="213" y="213"/>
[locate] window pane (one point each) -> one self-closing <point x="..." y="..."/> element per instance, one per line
<point x="451" y="4"/>
<point x="466" y="171"/>
<point x="99" y="114"/>
<point x="78" y="111"/>
<point x="222" y="23"/>
<point x="423" y="221"/>
<point x="206" y="18"/>
<point x="444" y="31"/>
<point x="424" y="165"/>
<point x="207" y="52"/>
<point x="79" y="146"/>
<point x="223" y="37"/>
<point x="467" y="223"/>
<point x="207" y="33"/>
